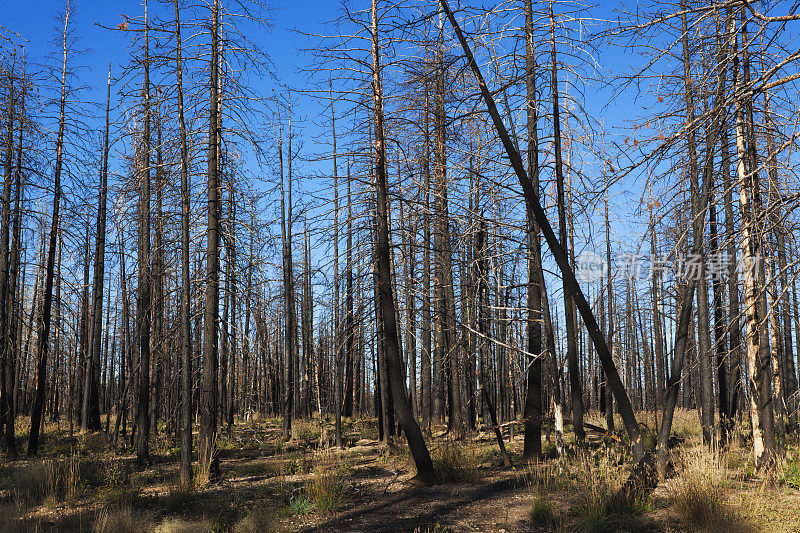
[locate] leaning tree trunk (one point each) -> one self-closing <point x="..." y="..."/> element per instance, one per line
<point x="573" y="288"/>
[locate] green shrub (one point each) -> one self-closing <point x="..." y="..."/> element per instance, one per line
<point x="791" y="473"/>
<point x="299" y="505"/>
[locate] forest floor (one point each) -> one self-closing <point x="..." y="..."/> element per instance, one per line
<point x="82" y="483"/>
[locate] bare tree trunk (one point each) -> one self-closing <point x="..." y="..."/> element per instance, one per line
<point x="560" y="255"/>
<point x="393" y="360"/>
<point x="143" y="302"/>
<point x="6" y="349"/>
<point x="610" y="290"/>
<point x="43" y="321"/>
<point x="91" y="399"/>
<point x="484" y="316"/>
<point x="425" y="355"/>
<point x="532" y="445"/>
<point x="576" y="394"/>
<point x="409" y="265"/>
<point x="787" y="374"/>
<point x="337" y="327"/>
<point x="734" y="341"/>
<point x="208" y="461"/>
<point x="13" y="303"/>
<point x="288" y="290"/>
<point x="350" y="330"/>
<point x="185" y="320"/>
<point x="234" y="328"/>
<point x="758" y="359"/>
<point x="685" y="307"/>
<point x="719" y="330"/>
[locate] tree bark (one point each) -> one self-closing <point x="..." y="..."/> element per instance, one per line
<point x="185" y="320"/>
<point x="43" y="321"/>
<point x="532" y="444"/>
<point x="416" y="443"/>
<point x="208" y="461"/>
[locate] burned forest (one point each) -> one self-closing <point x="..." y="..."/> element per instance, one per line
<point x="421" y="265"/>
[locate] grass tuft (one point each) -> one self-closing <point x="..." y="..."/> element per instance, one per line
<point x="257" y="520"/>
<point x="305" y="432"/>
<point x="542" y="513"/>
<point x="299" y="505"/>
<point x="456" y="462"/>
<point x="178" y="525"/>
<point x="602" y="507"/>
<point x="698" y="497"/>
<point x="325" y="488"/>
<point x="119" y="520"/>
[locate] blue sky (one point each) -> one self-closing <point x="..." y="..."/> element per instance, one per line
<point x="35" y="21"/>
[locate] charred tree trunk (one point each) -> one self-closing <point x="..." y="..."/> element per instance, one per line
<point x="185" y="320"/>
<point x="43" y="321"/>
<point x="393" y="359"/>
<point x="532" y="446"/>
<point x="208" y="461"/>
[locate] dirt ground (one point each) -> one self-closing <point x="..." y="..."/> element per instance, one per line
<point x="84" y="483"/>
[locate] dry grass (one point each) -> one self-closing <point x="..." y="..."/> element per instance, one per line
<point x="304" y="485"/>
<point x="178" y="525"/>
<point x="305" y="432"/>
<point x="203" y="471"/>
<point x="698" y="495"/>
<point x="325" y="488"/>
<point x="120" y="520"/>
<point x="685" y="424"/>
<point x="456" y="462"/>
<point x="257" y="520"/>
<point x="50" y="481"/>
<point x="601" y="507"/>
